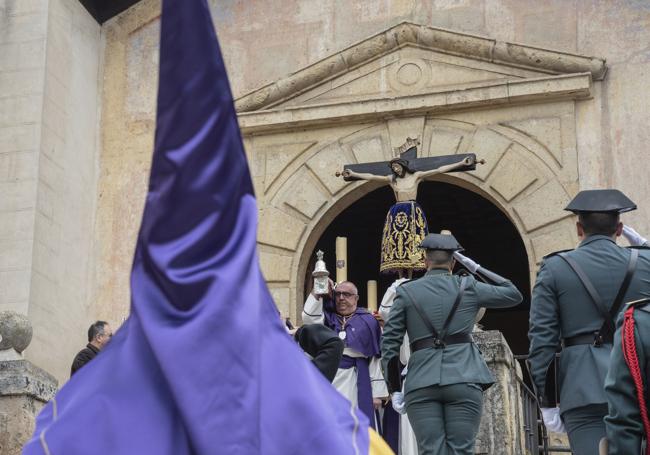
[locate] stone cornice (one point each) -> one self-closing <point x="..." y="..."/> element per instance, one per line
<point x="436" y="39"/>
<point x="572" y="86"/>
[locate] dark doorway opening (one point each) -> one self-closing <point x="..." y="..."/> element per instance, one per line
<point x="487" y="235"/>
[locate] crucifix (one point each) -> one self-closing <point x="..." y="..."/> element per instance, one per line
<point x="406" y="225"/>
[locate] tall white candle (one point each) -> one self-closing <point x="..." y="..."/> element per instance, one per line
<point x="341" y="259"/>
<point x="372" y="296"/>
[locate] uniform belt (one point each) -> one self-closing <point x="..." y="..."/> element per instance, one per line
<point x="433" y="342"/>
<point x="586" y="338"/>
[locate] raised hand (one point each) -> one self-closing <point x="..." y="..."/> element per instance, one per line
<point x="466" y="262"/>
<point x="633" y="237"/>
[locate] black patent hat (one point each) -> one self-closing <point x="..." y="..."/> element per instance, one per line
<point x="444" y="242"/>
<point x="601" y="201"/>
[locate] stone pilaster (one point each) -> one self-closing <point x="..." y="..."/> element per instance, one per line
<point x="501" y="430"/>
<point x="24" y="390"/>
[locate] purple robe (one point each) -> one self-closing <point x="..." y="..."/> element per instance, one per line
<point x="363" y="334"/>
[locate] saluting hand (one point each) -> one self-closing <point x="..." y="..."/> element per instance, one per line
<point x="633" y="237"/>
<point x="467" y="262"/>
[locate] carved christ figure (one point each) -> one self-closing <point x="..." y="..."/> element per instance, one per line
<point x="406" y="225"/>
<point x="404" y="180"/>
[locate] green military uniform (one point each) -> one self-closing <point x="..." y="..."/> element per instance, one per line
<point x="443" y="387"/>
<point x="562" y="309"/>
<point x="623" y="424"/>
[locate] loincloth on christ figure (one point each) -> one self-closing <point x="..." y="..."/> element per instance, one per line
<point x="404" y="230"/>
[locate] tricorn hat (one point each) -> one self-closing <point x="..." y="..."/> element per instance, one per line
<point x="600" y="201"/>
<point x="445" y="242"/>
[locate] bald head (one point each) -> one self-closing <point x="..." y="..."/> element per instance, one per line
<point x="346" y="298"/>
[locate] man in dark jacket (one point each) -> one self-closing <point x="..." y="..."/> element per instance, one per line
<point x="99" y="334"/>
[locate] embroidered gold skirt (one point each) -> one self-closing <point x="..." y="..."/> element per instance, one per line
<point x="404" y="230"/>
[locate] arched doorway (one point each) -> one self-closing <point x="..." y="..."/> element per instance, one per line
<point x="485" y="232"/>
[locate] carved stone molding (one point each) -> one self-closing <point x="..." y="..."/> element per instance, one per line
<point x="435" y="39"/>
<point x="574" y="86"/>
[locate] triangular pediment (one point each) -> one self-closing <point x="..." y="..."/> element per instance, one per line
<point x="406" y="71"/>
<point x="410" y="59"/>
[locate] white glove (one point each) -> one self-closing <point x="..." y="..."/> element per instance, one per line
<point x="397" y="398"/>
<point x="466" y="262"/>
<point x="552" y="420"/>
<point x="633" y="237"/>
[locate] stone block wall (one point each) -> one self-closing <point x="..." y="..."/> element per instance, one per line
<point x="22" y="75"/>
<point x="50" y="55"/>
<point x="67" y="189"/>
<point x="24" y="390"/>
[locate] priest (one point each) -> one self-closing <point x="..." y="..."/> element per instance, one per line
<point x="359" y="376"/>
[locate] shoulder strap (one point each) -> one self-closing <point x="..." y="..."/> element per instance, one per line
<point x="588" y="285"/>
<point x="607" y="329"/>
<point x="427" y="321"/>
<point x="608" y="324"/>
<point x="454" y="308"/>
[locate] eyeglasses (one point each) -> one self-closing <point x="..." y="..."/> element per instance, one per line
<point x="347" y="295"/>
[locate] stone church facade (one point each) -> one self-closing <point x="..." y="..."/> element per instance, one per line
<point x="552" y="94"/>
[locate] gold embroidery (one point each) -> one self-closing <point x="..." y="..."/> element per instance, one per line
<point x="404" y="230"/>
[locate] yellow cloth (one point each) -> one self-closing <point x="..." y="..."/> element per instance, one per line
<point x="377" y="445"/>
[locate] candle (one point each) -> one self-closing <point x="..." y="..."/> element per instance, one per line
<point x="341" y="259"/>
<point x="372" y="296"/>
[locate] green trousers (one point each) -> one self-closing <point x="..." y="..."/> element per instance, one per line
<point x="445" y="419"/>
<point x="585" y="427"/>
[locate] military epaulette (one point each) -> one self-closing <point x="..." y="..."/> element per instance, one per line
<point x="405" y="281"/>
<point x="550" y="255"/>
<point x="639" y="303"/>
<point x="638" y="247"/>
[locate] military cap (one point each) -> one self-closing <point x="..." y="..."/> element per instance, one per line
<point x="600" y="201"/>
<point x="445" y="242"/>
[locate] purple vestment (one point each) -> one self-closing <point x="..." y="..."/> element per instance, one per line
<point x="363" y="334"/>
<point x="362" y="331"/>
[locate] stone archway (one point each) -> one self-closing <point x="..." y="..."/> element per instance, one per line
<point x="522" y="178"/>
<point x="511" y="104"/>
<point x="497" y="245"/>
